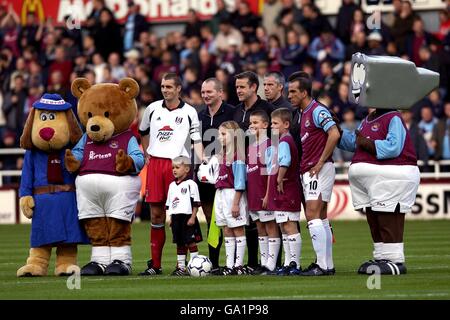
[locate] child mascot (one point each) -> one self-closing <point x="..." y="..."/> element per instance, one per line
<point x="384" y="176"/>
<point x="108" y="160"/>
<point x="47" y="190"/>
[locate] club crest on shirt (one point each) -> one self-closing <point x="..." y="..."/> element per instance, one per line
<point x="178" y="120"/>
<point x="183" y="190"/>
<point x="307" y="123"/>
<point x="114" y="144"/>
<point x="375" y="127"/>
<point x="165" y="134"/>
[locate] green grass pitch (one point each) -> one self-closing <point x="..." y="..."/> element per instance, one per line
<point x="427" y="249"/>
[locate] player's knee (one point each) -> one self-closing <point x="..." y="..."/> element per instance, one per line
<point x="261" y="229"/>
<point x="158" y="215"/>
<point x="290" y="227"/>
<point x="272" y="229"/>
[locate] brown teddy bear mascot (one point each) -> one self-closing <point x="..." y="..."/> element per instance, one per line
<point x="47" y="190"/>
<point x="108" y="159"/>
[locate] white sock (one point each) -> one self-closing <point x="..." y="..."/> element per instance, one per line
<point x="193" y="254"/>
<point x="287" y="251"/>
<point x="274" y="249"/>
<point x="181" y="261"/>
<point x="230" y="249"/>
<point x="319" y="241"/>
<point x="393" y="252"/>
<point x="101" y="255"/>
<point x="295" y="247"/>
<point x="263" y="249"/>
<point x="241" y="244"/>
<point x="378" y="250"/>
<point x="121" y="253"/>
<point x="329" y="234"/>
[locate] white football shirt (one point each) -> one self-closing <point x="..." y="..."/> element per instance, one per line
<point x="171" y="131"/>
<point x="182" y="196"/>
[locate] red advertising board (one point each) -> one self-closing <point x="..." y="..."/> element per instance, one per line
<point x="156" y="11"/>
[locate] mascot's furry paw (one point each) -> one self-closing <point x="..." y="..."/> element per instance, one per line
<point x="31" y="270"/>
<point x="72" y="164"/>
<point x="67" y="269"/>
<point x="66" y="260"/>
<point x="124" y="163"/>
<point x="37" y="263"/>
<point x="27" y="205"/>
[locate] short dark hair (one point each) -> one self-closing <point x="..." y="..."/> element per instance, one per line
<point x="262" y="114"/>
<point x="250" y="76"/>
<point x="279" y="77"/>
<point x="304" y="81"/>
<point x="173" y="76"/>
<point x="284" y="114"/>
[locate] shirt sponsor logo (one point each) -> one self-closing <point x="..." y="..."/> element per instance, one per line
<point x="99" y="156"/>
<point x="175" y="203"/>
<point x="223" y="177"/>
<point x="304" y="137"/>
<point x="165" y="134"/>
<point x="252" y="169"/>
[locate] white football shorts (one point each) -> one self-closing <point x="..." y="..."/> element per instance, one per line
<point x="263" y="215"/>
<point x="382" y="187"/>
<point x="223" y="202"/>
<point x="322" y="184"/>
<point x="285" y="216"/>
<point x="100" y="195"/>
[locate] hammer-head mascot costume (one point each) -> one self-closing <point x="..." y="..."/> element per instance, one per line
<point x="384" y="176"/>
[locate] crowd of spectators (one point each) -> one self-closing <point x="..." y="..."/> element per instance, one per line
<point x="39" y="57"/>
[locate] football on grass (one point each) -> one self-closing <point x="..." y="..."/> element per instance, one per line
<point x="199" y="266"/>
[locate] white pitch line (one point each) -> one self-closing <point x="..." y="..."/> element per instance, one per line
<point x="317" y="296"/>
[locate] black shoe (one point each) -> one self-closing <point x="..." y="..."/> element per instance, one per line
<point x="389" y="268"/>
<point x="118" y="268"/>
<point x="314" y="270"/>
<point x="179" y="272"/>
<point x="228" y="271"/>
<point x="242" y="271"/>
<point x="252" y="270"/>
<point x="363" y="268"/>
<point x="258" y="270"/>
<point x="293" y="270"/>
<point x="217" y="272"/>
<point x="283" y="271"/>
<point x="331" y="272"/>
<point x="151" y="271"/>
<point x="267" y="272"/>
<point x="93" y="269"/>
